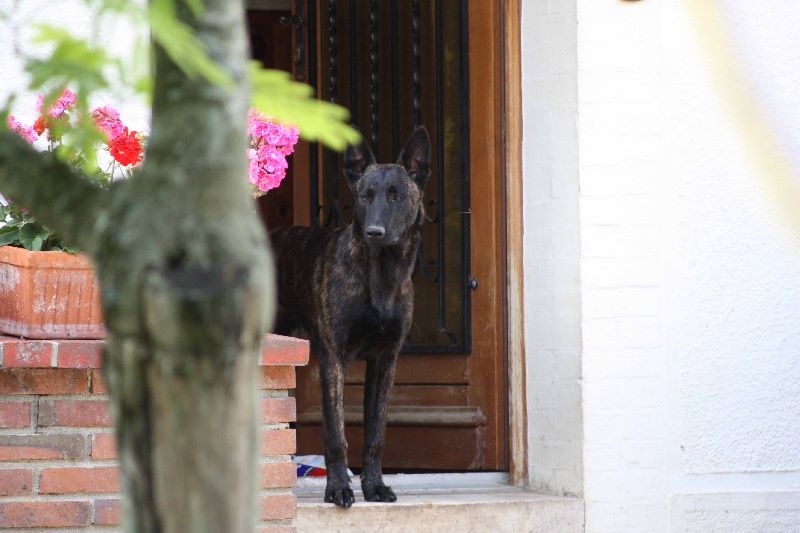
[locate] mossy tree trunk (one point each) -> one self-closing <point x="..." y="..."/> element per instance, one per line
<point x="187" y="290"/>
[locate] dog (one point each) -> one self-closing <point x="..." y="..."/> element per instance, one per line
<point x="350" y="290"/>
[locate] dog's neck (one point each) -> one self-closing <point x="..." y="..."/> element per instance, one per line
<point x="389" y="268"/>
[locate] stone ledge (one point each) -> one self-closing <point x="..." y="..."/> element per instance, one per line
<point x="495" y="509"/>
<point x="511" y="510"/>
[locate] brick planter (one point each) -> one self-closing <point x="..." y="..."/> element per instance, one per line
<point x="58" y="464"/>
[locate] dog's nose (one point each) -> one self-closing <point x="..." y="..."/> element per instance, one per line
<point x="375" y="232"/>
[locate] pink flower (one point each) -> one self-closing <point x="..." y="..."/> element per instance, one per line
<point x="273" y="133"/>
<point x="257" y="125"/>
<point x="288" y="138"/>
<point x="271" y="181"/>
<point x="271" y="158"/>
<point x="267" y="168"/>
<point x="63" y="104"/>
<point x="270" y="143"/>
<point x="107" y="120"/>
<point x="26" y="132"/>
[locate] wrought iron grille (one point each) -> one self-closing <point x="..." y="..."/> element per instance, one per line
<point x="397" y="64"/>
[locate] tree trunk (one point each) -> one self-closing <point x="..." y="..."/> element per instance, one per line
<point x="186" y="282"/>
<point x="187" y="289"/>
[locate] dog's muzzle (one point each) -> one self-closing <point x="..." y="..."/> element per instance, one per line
<point x="375" y="232"/>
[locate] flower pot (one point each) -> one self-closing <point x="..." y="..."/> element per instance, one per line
<point x="48" y="295"/>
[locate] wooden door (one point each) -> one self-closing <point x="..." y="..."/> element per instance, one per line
<point x="396" y="64"/>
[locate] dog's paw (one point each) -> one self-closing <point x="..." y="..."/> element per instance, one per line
<point x="342" y="497"/>
<point x="379" y="493"/>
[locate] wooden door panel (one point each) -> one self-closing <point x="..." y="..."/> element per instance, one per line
<point x="487" y="362"/>
<point x="429" y="395"/>
<point x="412" y="449"/>
<point x="420" y="369"/>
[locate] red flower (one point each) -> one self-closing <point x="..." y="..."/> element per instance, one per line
<point x="126" y="148"/>
<point x="40" y="125"/>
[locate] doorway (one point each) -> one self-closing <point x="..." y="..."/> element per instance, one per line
<point x="396" y="64"/>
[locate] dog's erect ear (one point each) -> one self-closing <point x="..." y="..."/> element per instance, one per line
<point x="356" y="160"/>
<point x="416" y="156"/>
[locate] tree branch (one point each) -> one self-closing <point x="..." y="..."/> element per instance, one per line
<point x="56" y="194"/>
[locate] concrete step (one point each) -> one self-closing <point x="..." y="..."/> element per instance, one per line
<point x="449" y="505"/>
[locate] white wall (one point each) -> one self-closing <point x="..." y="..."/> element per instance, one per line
<point x="624" y="221"/>
<point x="689" y="278"/>
<point x="735" y="286"/>
<point x="551" y="246"/>
<point x="115" y="35"/>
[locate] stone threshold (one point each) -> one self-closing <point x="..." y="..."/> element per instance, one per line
<point x="441" y="502"/>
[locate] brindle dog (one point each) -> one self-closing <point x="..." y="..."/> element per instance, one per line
<point x="350" y="289"/>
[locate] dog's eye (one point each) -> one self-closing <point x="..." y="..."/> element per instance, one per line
<point x="392" y="195"/>
<point x="367" y="196"/>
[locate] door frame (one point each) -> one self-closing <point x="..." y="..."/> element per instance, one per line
<point x="501" y="27"/>
<point x="511" y="54"/>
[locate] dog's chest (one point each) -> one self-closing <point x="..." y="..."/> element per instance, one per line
<point x="366" y="328"/>
<point x="370" y="334"/>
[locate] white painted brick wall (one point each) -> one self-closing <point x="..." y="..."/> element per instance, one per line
<point x="551" y="246"/>
<point x="689" y="342"/>
<point x="622" y="265"/>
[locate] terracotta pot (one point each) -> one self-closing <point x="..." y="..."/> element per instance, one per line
<point x="48" y="295"/>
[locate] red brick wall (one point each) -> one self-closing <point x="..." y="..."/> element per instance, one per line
<point x="57" y="453"/>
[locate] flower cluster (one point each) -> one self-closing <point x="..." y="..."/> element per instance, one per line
<point x="122" y="151"/>
<point x="106" y="118"/>
<point x="123" y="145"/>
<point x="62" y="105"/>
<point x="58" y="111"/>
<point x="26" y="132"/>
<point x="270" y="143"/>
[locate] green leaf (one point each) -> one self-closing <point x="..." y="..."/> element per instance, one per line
<point x="6" y="110"/>
<point x="196" y="7"/>
<point x="182" y="46"/>
<point x="28" y="231"/>
<point x="138" y="73"/>
<point x="77" y="64"/>
<point x="118" y="6"/>
<point x="32" y="235"/>
<point x="279" y="97"/>
<point x="73" y="62"/>
<point x="8" y="235"/>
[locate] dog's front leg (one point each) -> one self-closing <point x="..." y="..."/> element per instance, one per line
<point x="377" y="390"/>
<point x="338" y="489"/>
